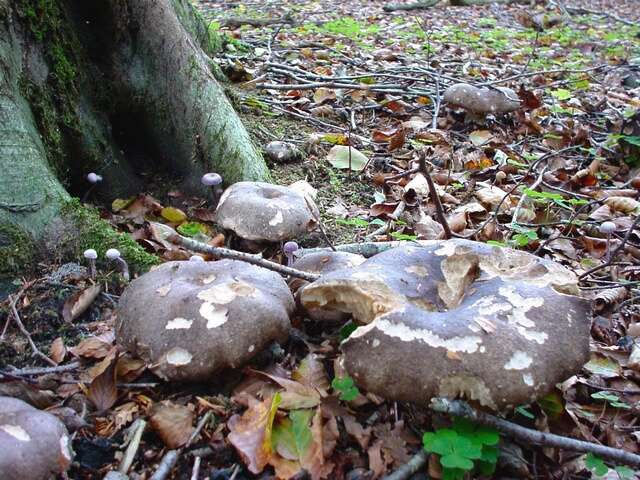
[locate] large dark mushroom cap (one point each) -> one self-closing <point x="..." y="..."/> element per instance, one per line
<point x="34" y="444"/>
<point x="458" y="318"/>
<point x="264" y="212"/>
<point x="482" y="100"/>
<point x="192" y="319"/>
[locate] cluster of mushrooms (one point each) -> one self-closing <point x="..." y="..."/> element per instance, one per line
<point x="439" y="318"/>
<point x="449" y="318"/>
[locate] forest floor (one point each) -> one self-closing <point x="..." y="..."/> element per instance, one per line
<point x="543" y="178"/>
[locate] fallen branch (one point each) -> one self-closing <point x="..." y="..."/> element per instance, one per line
<point x="44" y="370"/>
<point x="417" y="462"/>
<point x="581" y="11"/>
<point x="132" y="448"/>
<point x="462" y="409"/>
<point x="434" y="195"/>
<point x="221" y="252"/>
<point x="392" y="7"/>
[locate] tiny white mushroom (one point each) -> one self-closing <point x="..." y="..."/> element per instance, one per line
<point x="91" y="255"/>
<point x="113" y="254"/>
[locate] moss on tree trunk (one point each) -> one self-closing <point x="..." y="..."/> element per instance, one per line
<point x="119" y="87"/>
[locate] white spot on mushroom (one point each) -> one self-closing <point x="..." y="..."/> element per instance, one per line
<point x="164" y="290"/>
<point x="527" y="378"/>
<point x="277" y="219"/>
<point x="471" y="388"/>
<point x="216" y="315"/>
<point x="375" y="343"/>
<point x="242" y="289"/>
<point x="468" y="344"/>
<point x="16" y="431"/>
<point x="222" y="294"/>
<point x="447" y="249"/>
<point x="65" y="450"/>
<point x="252" y="348"/>
<point x="208" y="279"/>
<point x="178" y="357"/>
<point x="178" y="323"/>
<point x="417" y="270"/>
<point x="518" y="316"/>
<point x="519" y="361"/>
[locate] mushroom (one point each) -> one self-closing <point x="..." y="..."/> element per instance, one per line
<point x="113" y="254"/>
<point x="34" y="444"/>
<point x="266" y="213"/>
<point x="214" y="181"/>
<point x="189" y="320"/>
<point x="282" y="152"/>
<point x="289" y="249"/>
<point x="91" y="255"/>
<point x="458" y="318"/>
<point x="323" y="263"/>
<point x="93" y="178"/>
<point x="607" y="228"/>
<point x="482" y="100"/>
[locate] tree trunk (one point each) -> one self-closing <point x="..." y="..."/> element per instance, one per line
<point x="124" y="88"/>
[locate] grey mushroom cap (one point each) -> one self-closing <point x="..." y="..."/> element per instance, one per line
<point x="264" y="212"/>
<point x="482" y="100"/>
<point x="34" y="444"/>
<point x="458" y="318"/>
<point x="191" y="319"/>
<point x="323" y="263"/>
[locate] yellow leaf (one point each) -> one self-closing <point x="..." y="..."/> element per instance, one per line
<point x="172" y="214"/>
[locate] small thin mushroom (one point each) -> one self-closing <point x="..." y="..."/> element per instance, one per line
<point x="458" y="318"/>
<point x="264" y="212"/>
<point x="189" y="320"/>
<point x="35" y="445"/>
<point x="213" y="180"/>
<point x="289" y="249"/>
<point x="114" y="255"/>
<point x="91" y="255"/>
<point x="482" y="100"/>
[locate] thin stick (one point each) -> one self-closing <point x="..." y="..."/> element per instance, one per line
<point x="132" y="448"/>
<point x="45" y="370"/>
<point x="529" y="436"/>
<point x="434" y="195"/>
<point x="34" y="349"/>
<point x="195" y="472"/>
<point x="417" y="462"/>
<point x="221" y="252"/>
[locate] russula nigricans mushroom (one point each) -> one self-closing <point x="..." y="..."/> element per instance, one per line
<point x="260" y="211"/>
<point x="482" y="100"/>
<point x="189" y="320"/>
<point x="458" y="318"/>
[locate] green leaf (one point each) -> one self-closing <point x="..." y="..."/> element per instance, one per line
<point x="190" y="229"/>
<point x="561" y="94"/>
<point x="403" y="236"/>
<point x="292" y="436"/>
<point x="625" y="473"/>
<point x="346" y="387"/>
<point x="347" y="329"/>
<point x="522" y="410"/>
<point x="338" y="157"/>
<point x="453" y="474"/>
<point x="354" y="222"/>
<point x="552" y="404"/>
<point x="174" y="215"/>
<point x="455" y="460"/>
<point x="632" y="139"/>
<point x="596" y="464"/>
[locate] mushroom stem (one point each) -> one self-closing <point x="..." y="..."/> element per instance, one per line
<point x="221" y="252"/>
<point x="462" y="409"/>
<point x="113" y="254"/>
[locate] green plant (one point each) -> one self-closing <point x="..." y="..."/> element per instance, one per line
<point x="465" y="447"/>
<point x="346" y="387"/>
<point x="610" y="398"/>
<point x="600" y="469"/>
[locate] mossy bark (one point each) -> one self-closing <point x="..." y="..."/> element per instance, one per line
<point x="121" y="87"/>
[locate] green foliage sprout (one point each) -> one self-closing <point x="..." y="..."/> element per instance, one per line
<point x="346" y="387"/>
<point x="463" y="448"/>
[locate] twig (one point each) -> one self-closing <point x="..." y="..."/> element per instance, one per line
<point x="417" y="462"/>
<point x="221" y="252"/>
<point x="436" y="104"/>
<point x="45" y="370"/>
<point x="529" y="436"/>
<point x="581" y="10"/>
<point x="366" y="249"/>
<point x="132" y="448"/>
<point x="195" y="472"/>
<point x="392" y="7"/>
<point x="34" y="349"/>
<point x="434" y="195"/>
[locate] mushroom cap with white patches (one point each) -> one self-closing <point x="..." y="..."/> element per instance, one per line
<point x="264" y="212"/>
<point x="112" y="253"/>
<point x="482" y="100"/>
<point x="90" y="254"/>
<point x="34" y="443"/>
<point x="94" y="177"/>
<point x="206" y="321"/>
<point x="474" y="320"/>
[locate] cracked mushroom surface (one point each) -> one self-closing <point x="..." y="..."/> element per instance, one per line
<point x="35" y="445"/>
<point x="260" y="211"/>
<point x="189" y="320"/>
<point x="458" y="318"/>
<point x="323" y="263"/>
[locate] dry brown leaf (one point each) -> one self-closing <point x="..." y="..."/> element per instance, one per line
<point x="173" y="423"/>
<point x="376" y="464"/>
<point x="78" y="303"/>
<point x="129" y="368"/>
<point x="624" y="205"/>
<point x="102" y="391"/>
<point x="57" y="351"/>
<point x="295" y="395"/>
<point x="322" y="95"/>
<point x="311" y="372"/>
<point x="91" y="347"/>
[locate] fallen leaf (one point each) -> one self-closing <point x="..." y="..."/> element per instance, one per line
<point x="250" y="434"/>
<point x="338" y="157"/>
<point x="174" y="215"/>
<point x="78" y="303"/>
<point x="102" y="391"/>
<point x="322" y="95"/>
<point x="480" y="137"/>
<point x="91" y="347"/>
<point x="311" y="372"/>
<point x="57" y="351"/>
<point x="173" y="423"/>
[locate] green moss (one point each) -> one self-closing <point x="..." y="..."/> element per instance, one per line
<point x="17" y="252"/>
<point x="96" y="233"/>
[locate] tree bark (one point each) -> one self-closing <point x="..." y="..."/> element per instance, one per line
<point x="124" y="88"/>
